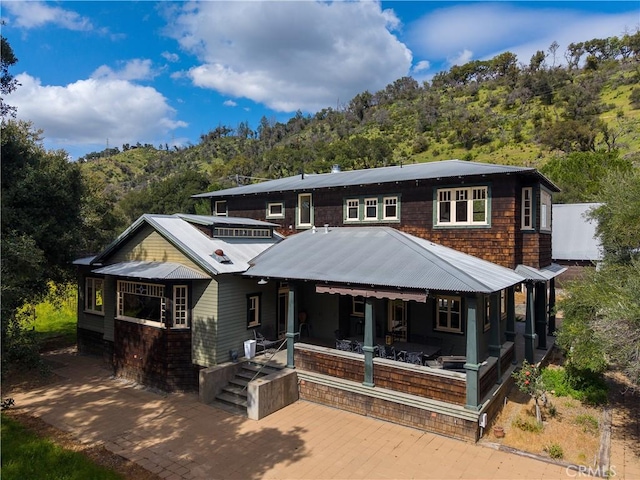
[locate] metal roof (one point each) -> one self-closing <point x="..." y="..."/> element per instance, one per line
<point x="379" y="256"/>
<point x="197" y="246"/>
<point x="540" y="274"/>
<point x="152" y="271"/>
<point x="574" y="235"/>
<point x="417" y="171"/>
<point x="211" y="220"/>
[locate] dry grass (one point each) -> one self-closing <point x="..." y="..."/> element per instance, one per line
<point x="574" y="427"/>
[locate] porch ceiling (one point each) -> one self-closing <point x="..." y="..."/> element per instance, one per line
<point x="379" y="256"/>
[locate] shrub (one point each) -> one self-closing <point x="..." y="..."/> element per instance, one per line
<point x="588" y="423"/>
<point x="527" y="425"/>
<point x="554" y="450"/>
<point x="529" y="380"/>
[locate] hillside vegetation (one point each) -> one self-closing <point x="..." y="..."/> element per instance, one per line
<point x="498" y="111"/>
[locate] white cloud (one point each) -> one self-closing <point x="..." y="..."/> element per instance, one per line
<point x="230" y="103"/>
<point x="170" y="57"/>
<point x="36" y="14"/>
<point x="136" y="69"/>
<point x="421" y="66"/>
<point x="87" y="112"/>
<point x="487" y="29"/>
<point x="291" y="55"/>
<point x="461" y="58"/>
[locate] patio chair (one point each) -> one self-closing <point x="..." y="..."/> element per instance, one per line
<point x="358" y="347"/>
<point x="387" y="351"/>
<point x="413" y="357"/>
<point x="261" y="341"/>
<point x="344" y="345"/>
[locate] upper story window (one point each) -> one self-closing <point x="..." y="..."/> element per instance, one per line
<point x="275" y="210"/>
<point x="527" y="208"/>
<point x="220" y="208"/>
<point x="353" y="210"/>
<point x="449" y="317"/>
<point x="390" y="208"/>
<point x="304" y="217"/>
<point x="545" y="210"/>
<point x="94" y="294"/>
<point x="242" y="232"/>
<point x="371" y="209"/>
<point x="462" y="206"/>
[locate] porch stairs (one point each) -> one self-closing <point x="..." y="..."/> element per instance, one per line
<point x="233" y="397"/>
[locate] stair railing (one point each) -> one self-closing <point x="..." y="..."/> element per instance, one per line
<point x="284" y="342"/>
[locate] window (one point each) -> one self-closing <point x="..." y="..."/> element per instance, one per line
<point x="242" y="232"/>
<point x="357" y="306"/>
<point x="305" y="210"/>
<point x="397" y="320"/>
<point x="462" y="206"/>
<point x="449" y="314"/>
<point x="180" y="312"/>
<point x="220" y="208"/>
<point x="141" y="302"/>
<point x="545" y="210"/>
<point x="253" y="310"/>
<point x="93" y="298"/>
<point x="527" y="208"/>
<point x="487" y="313"/>
<point x="390" y="208"/>
<point x="371" y="209"/>
<point x="275" y="210"/>
<point x="353" y="210"/>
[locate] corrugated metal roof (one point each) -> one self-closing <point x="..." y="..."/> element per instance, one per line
<point x="152" y="271"/>
<point x="573" y="236"/>
<point x="417" y="171"/>
<point x="196" y="245"/>
<point x="540" y="274"/>
<point x="379" y="256"/>
<point x="211" y="220"/>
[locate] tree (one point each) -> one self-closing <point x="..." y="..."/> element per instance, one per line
<point x="7" y="82"/>
<point x="601" y="324"/>
<point x="529" y="380"/>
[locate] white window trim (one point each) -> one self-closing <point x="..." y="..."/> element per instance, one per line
<point x="89" y="301"/>
<point x="452" y="195"/>
<point x="367" y="218"/>
<point x="357" y="306"/>
<point x="448" y="328"/>
<point x="357" y="205"/>
<point x="299" y="210"/>
<point x="176" y="306"/>
<point x="256" y="321"/>
<point x="545" y="211"/>
<point x="527" y="191"/>
<point x="142" y="321"/>
<point x="215" y="208"/>
<point x="270" y="214"/>
<point x="384" y="208"/>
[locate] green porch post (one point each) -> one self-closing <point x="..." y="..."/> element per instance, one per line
<point x="552" y="307"/>
<point x="541" y="314"/>
<point x="472" y="366"/>
<point x="510" y="332"/>
<point x="495" y="347"/>
<point x="368" y="342"/>
<point x="529" y="335"/>
<point x="291" y="326"/>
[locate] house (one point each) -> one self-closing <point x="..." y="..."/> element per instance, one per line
<point x="574" y="242"/>
<point x="163" y="301"/>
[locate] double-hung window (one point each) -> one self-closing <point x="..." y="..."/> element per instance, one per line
<point x="390" y="211"/>
<point x="94" y="294"/>
<point x="449" y="314"/>
<point x="352" y="210"/>
<point x="305" y="210"/>
<point x="462" y="206"/>
<point x="253" y="310"/>
<point x="545" y="210"/>
<point x="371" y="209"/>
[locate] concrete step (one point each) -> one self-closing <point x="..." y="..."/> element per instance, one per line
<point x="232" y="399"/>
<point x="238" y="390"/>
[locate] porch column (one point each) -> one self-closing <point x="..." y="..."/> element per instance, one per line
<point x="552" y="307"/>
<point x="291" y="326"/>
<point x="510" y="332"/>
<point x="368" y="342"/>
<point x="472" y="365"/>
<point x="495" y="347"/>
<point x="541" y="314"/>
<point x="529" y="335"/>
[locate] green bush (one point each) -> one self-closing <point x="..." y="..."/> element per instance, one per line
<point x="528" y="425"/>
<point x="554" y="450"/>
<point x="586" y="386"/>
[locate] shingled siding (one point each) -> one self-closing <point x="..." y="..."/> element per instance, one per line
<point x="500" y="243"/>
<point x="341" y="365"/>
<point x="156" y="357"/>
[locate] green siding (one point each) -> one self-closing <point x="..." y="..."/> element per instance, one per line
<point x="204" y="323"/>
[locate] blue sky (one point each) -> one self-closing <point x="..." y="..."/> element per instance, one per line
<point x="94" y="73"/>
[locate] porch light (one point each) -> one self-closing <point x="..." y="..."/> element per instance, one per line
<point x="263" y="281"/>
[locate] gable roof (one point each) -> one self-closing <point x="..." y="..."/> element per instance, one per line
<point x="194" y="244"/>
<point x="379" y="256"/>
<point x="574" y="235"/>
<point x="399" y="173"/>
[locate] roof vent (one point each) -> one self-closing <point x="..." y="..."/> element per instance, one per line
<point x="220" y="257"/>
<point x="335" y="168"/>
